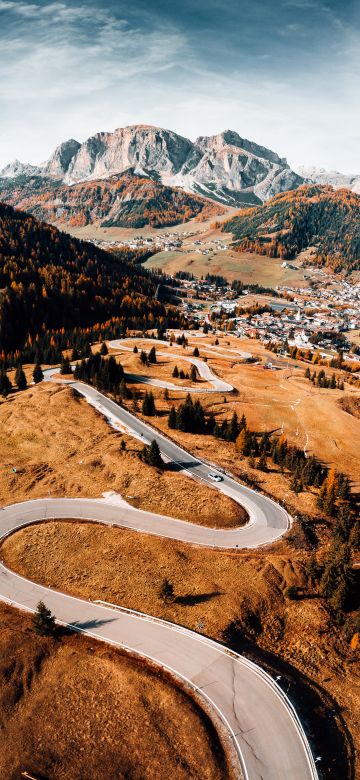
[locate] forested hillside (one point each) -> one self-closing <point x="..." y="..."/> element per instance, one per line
<point x="125" y="200"/>
<point x="49" y="280"/>
<point x="312" y="216"/>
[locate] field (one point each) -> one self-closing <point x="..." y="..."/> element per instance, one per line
<point x="73" y="709"/>
<point x="272" y="400"/>
<point x="248" y="267"/>
<point x="60" y="446"/>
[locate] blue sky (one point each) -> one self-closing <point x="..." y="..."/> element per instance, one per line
<point x="284" y="73"/>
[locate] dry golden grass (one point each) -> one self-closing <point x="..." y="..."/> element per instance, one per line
<point x="60" y="446"/>
<point x="310" y="417"/>
<point x="350" y="405"/>
<point x="212" y="589"/>
<point x="77" y="710"/>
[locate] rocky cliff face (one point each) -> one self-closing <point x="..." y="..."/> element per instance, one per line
<point x="224" y="167"/>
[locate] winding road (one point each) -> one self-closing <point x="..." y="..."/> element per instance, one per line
<point x="258" y="717"/>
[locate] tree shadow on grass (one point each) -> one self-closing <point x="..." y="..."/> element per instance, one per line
<point x="192" y="599"/>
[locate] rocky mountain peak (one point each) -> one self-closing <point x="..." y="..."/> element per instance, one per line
<point x="224" y="167"/>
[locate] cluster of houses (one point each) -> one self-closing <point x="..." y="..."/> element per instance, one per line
<point x="330" y="313"/>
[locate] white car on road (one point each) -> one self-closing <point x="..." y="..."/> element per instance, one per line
<point x="215" y="477"/>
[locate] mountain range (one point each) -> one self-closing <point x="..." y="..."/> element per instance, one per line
<point x="224" y="167"/>
<point x="336" y="179"/>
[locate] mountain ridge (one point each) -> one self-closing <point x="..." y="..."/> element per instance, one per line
<point x="317" y="218"/>
<point x="224" y="167"/>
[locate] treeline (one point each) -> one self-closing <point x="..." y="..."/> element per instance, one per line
<point x="296" y="353"/>
<point x="316" y="216"/>
<point x="51" y="281"/>
<point x="306" y="472"/>
<point x="103" y="373"/>
<point x="321" y="380"/>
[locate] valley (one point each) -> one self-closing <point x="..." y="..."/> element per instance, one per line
<point x="179" y="472"/>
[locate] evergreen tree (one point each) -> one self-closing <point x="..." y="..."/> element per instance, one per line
<point x="5" y="384"/>
<point x="175" y="372"/>
<point x="152" y="355"/>
<point x="43" y="620"/>
<point x="155" y="458"/>
<point x="196" y="352"/>
<point x="135" y="350"/>
<point x="233" y="428"/>
<point x="152" y="456"/>
<point x="38" y="375"/>
<point x="193" y="374"/>
<point x="144" y="358"/>
<point x="242" y="423"/>
<point x="65" y="367"/>
<point x="148" y="405"/>
<point x="172" y="418"/>
<point x="104" y="350"/>
<point x="20" y="378"/>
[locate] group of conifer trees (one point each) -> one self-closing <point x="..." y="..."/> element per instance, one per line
<point x="321" y="380"/>
<point x="104" y="373"/>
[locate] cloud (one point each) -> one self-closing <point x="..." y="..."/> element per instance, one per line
<point x="284" y="73"/>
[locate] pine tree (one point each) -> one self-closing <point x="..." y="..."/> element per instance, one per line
<point x="242" y="423"/>
<point x="43" y="620"/>
<point x="65" y="367"/>
<point x="193" y="374"/>
<point x="104" y="350"/>
<point x="196" y="352"/>
<point x="175" y="372"/>
<point x="152" y="456"/>
<point x="38" y="375"/>
<point x="135" y="350"/>
<point x="20" y="378"/>
<point x="144" y="358"/>
<point x="148" y="405"/>
<point x="172" y="418"/>
<point x="233" y="428"/>
<point x="5" y="384"/>
<point x="152" y="355"/>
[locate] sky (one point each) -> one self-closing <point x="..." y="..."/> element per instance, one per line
<point x="283" y="73"/>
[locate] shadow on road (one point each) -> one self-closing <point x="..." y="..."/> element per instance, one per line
<point x="85" y="625"/>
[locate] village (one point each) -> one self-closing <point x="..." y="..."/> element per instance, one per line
<point x="307" y="318"/>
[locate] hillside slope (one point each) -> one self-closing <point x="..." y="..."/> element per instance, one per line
<point x="319" y="217"/>
<point x="49" y="280"/>
<point x="124" y="200"/>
